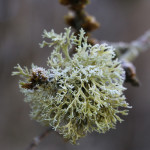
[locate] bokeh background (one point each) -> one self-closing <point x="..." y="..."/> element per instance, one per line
<point x="21" y="25"/>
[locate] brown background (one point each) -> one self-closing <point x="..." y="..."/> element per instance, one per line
<point x="21" y="26"/>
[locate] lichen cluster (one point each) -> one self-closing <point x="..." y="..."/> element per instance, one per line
<point x="77" y="94"/>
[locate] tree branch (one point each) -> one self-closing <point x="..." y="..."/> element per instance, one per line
<point x="127" y="52"/>
<point x="130" y="51"/>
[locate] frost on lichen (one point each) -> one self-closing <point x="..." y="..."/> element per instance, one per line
<point x="77" y="94"/>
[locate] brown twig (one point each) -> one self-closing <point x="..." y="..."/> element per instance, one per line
<point x="37" y="140"/>
<point x="78" y="18"/>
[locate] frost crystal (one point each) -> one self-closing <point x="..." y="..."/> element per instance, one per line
<point x="77" y="94"/>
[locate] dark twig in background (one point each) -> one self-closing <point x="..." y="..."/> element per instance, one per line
<point x="37" y="140"/>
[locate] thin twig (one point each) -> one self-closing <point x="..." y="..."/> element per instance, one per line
<point x="37" y="140"/>
<point x="130" y="51"/>
<point x="127" y="52"/>
<point x="136" y="47"/>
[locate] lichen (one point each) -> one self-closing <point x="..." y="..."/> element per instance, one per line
<point x="77" y="94"/>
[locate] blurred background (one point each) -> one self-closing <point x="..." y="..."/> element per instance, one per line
<point x="21" y="25"/>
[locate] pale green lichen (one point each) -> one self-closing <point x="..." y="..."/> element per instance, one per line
<point x="77" y="94"/>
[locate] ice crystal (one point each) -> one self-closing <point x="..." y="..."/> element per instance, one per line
<point x="77" y="94"/>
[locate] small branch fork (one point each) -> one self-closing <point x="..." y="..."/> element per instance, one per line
<point x="128" y="52"/>
<point x="134" y="48"/>
<point x="37" y="140"/>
